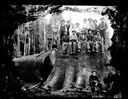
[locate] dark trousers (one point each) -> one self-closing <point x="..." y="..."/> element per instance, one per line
<point x="49" y="43"/>
<point x="72" y="46"/>
<point x="61" y="36"/>
<point x="103" y="34"/>
<point x="94" y="86"/>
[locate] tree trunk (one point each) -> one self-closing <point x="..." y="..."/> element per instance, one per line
<point x="18" y="38"/>
<point x="69" y="77"/>
<point x="31" y="67"/>
<point x="74" y="71"/>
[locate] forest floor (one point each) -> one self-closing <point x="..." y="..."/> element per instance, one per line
<point x="85" y="61"/>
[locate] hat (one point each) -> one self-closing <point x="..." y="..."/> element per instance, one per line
<point x="73" y="31"/>
<point x="89" y="18"/>
<point x="102" y="18"/>
<point x="54" y="32"/>
<point x="62" y="20"/>
<point x="94" y="71"/>
<point x="95" y="20"/>
<point x="78" y="23"/>
<point x="82" y="30"/>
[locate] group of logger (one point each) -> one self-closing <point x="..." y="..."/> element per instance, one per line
<point x="73" y="37"/>
<point x="111" y="82"/>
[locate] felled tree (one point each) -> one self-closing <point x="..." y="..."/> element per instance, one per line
<point x="11" y="17"/>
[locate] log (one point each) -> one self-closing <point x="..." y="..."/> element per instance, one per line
<point x="34" y="67"/>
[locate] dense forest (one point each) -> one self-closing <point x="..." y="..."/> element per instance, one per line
<point x="12" y="16"/>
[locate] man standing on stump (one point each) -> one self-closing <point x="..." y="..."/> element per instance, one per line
<point x="102" y="27"/>
<point x="62" y="30"/>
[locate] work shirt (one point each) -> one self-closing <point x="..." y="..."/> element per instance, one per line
<point x="82" y="38"/>
<point x="98" y="38"/>
<point x="67" y="28"/>
<point x="70" y="30"/>
<point x="93" y="79"/>
<point x="90" y="26"/>
<point x="85" y="26"/>
<point x="95" y="26"/>
<point x="49" y="32"/>
<point x="102" y="25"/>
<point x="55" y="38"/>
<point x="73" y="37"/>
<point x="62" y="29"/>
<point x="65" y="38"/>
<point x="95" y="38"/>
<point x="77" y="29"/>
<point x="90" y="37"/>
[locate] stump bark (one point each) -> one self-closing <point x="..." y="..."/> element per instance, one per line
<point x="74" y="71"/>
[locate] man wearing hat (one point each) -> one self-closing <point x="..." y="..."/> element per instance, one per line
<point x="82" y="40"/>
<point x="90" y="38"/>
<point x="95" y="26"/>
<point x="65" y="41"/>
<point x="85" y="26"/>
<point x="77" y="29"/>
<point x="55" y="38"/>
<point x="68" y="27"/>
<point x="102" y="27"/>
<point x="94" y="81"/>
<point x="62" y="30"/>
<point x="90" y="25"/>
<point x="72" y="43"/>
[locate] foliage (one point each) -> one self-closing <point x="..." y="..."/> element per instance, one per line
<point x="119" y="48"/>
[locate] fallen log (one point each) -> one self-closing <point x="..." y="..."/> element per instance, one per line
<point x="35" y="67"/>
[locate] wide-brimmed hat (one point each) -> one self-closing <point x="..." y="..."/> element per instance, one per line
<point x="83" y="30"/>
<point x="73" y="31"/>
<point x="102" y="18"/>
<point x="78" y="23"/>
<point x="62" y="20"/>
<point x="89" y="18"/>
<point x="84" y="19"/>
